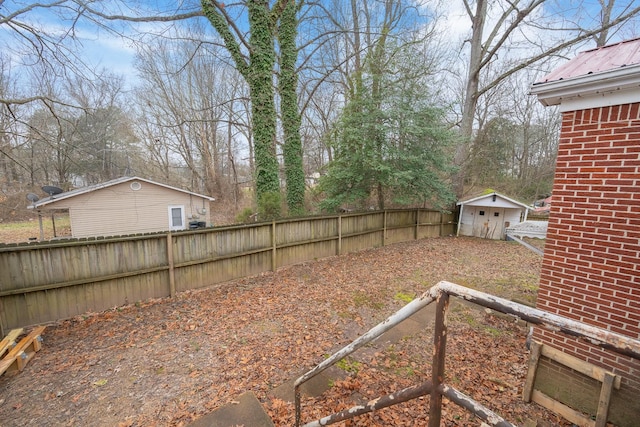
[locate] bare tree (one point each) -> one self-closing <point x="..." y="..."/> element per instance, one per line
<point x="501" y="31"/>
<point x="193" y="103"/>
<point x="9" y="164"/>
<point x="338" y="49"/>
<point x="516" y="143"/>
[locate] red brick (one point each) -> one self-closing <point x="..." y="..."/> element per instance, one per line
<point x="594" y="130"/>
<point x="591" y="265"/>
<point x="614" y="112"/>
<point x="615" y="138"/>
<point x="624" y="111"/>
<point x="569" y="135"/>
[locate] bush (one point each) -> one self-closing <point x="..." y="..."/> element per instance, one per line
<point x="246" y="216"/>
<point x="270" y="206"/>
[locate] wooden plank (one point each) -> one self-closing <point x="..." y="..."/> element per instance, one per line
<point x="79" y="282"/>
<point x="534" y="358"/>
<point x="581" y="366"/>
<point x="172" y="274"/>
<point x="605" y="398"/>
<point x="578" y="418"/>
<point x="9" y="341"/>
<point x="274" y="254"/>
<point x="22" y="353"/>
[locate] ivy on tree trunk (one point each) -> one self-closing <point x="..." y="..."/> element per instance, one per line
<point x="288" y="82"/>
<point x="258" y="72"/>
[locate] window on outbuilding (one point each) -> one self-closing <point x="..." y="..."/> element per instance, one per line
<point x="176" y="218"/>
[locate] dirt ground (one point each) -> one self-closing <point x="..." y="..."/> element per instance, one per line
<point x="167" y="362"/>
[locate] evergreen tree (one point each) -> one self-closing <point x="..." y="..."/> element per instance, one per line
<point x="391" y="145"/>
<point x="398" y="152"/>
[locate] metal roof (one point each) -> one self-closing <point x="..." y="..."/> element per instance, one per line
<point x="90" y="188"/>
<point x="597" y="60"/>
<point x="602" y="77"/>
<point x="536" y="229"/>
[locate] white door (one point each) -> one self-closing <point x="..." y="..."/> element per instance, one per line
<point x="495" y="220"/>
<point x="176" y="218"/>
<point x="488" y="222"/>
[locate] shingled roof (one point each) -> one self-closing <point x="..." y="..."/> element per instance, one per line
<point x="78" y="191"/>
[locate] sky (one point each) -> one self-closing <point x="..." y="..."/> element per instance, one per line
<point x="104" y="49"/>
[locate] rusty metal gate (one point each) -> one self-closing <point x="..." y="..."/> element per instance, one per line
<point x="435" y="387"/>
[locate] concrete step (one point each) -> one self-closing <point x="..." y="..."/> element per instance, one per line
<point x="246" y="411"/>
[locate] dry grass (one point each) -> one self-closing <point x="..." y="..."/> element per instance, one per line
<point x="25" y="231"/>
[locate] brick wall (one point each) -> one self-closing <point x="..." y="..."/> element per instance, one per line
<point x="591" y="266"/>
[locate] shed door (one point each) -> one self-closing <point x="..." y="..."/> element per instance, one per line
<point x="176" y="218"/>
<point x="488" y="223"/>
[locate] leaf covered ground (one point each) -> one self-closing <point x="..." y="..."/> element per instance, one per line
<point x="167" y="362"/>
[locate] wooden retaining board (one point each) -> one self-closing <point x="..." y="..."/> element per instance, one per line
<point x="18" y="357"/>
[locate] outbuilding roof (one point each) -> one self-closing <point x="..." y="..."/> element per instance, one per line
<point x="67" y="194"/>
<point x="480" y="200"/>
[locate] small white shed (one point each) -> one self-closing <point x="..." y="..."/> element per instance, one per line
<point x="488" y="216"/>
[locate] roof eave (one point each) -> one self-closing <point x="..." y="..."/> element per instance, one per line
<point x="619" y="79"/>
<point x="464" y="202"/>
<point x="106" y="184"/>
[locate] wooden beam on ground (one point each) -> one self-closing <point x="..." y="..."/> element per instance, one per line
<point x="578" y="418"/>
<point x="21" y="354"/>
<point x="9" y="341"/>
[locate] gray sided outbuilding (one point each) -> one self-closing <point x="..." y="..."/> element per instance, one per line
<point x="488" y="216"/>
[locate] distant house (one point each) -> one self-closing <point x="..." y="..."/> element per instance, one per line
<point x="488" y="216"/>
<point x="542" y="206"/>
<point x="128" y="205"/>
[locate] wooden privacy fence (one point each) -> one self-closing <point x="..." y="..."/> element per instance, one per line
<point x="44" y="282"/>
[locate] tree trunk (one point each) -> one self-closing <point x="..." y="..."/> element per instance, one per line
<point x="288" y="85"/>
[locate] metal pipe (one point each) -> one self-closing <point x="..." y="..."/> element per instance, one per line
<point x="476" y="408"/>
<point x="402" y="314"/>
<point x="439" y="353"/>
<point x="403" y="395"/>
<point x="610" y="340"/>
<point x="618" y="343"/>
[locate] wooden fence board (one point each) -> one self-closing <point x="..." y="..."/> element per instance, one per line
<point x="362" y="241"/>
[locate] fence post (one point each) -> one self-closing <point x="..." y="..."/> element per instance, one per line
<point x="172" y="276"/>
<point x="384" y="229"/>
<point x="437" y="371"/>
<point x="415" y="237"/>
<point x="339" y="234"/>
<point x="274" y="261"/>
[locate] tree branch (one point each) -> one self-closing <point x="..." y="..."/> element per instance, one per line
<point x="127" y="18"/>
<point x="555" y="50"/>
<point x="221" y="21"/>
